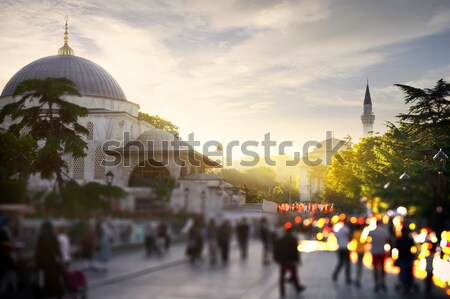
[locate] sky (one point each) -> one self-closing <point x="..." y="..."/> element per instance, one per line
<point x="239" y="69"/>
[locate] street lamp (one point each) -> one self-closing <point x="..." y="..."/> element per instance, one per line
<point x="186" y="199"/>
<point x="203" y="198"/>
<point x="404" y="176"/>
<point x="440" y="159"/>
<point x="109" y="180"/>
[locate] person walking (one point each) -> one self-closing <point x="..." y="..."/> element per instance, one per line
<point x="288" y="257"/>
<point x="211" y="239"/>
<point x="429" y="267"/>
<point x="8" y="267"/>
<point x="194" y="242"/>
<point x="64" y="246"/>
<point x="405" y="260"/>
<point x="223" y="240"/>
<point x="266" y="239"/>
<point x="48" y="260"/>
<point x="380" y="237"/>
<point x="104" y="236"/>
<point x="360" y="243"/>
<point x="150" y="238"/>
<point x="343" y="234"/>
<point x="242" y="233"/>
<point x="89" y="244"/>
<point x="161" y="236"/>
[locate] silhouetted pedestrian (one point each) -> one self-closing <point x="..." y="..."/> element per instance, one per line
<point x="8" y="267"/>
<point x="380" y="236"/>
<point x="223" y="240"/>
<point x="242" y="233"/>
<point x="288" y="256"/>
<point x="405" y="259"/>
<point x="151" y="245"/>
<point x="429" y="267"/>
<point x="89" y="244"/>
<point x="357" y="235"/>
<point x="49" y="263"/>
<point x="266" y="239"/>
<point x="194" y="243"/>
<point x="343" y="234"/>
<point x="211" y="239"/>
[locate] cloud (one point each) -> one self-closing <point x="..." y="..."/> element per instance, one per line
<point x="245" y="64"/>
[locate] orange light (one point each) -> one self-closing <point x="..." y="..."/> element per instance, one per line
<point x="297" y="219"/>
<point x="342" y="217"/>
<point x="288" y="225"/>
<point x="353" y="220"/>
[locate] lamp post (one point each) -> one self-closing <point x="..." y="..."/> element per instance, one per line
<point x="186" y="199"/>
<point x="440" y="159"/>
<point x="109" y="180"/>
<point x="203" y="198"/>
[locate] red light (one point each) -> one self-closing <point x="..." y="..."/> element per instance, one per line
<point x="288" y="225"/>
<point x="298" y="219"/>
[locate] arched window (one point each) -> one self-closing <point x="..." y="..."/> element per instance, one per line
<point x="24" y="131"/>
<point x="99" y="168"/>
<point x="90" y="127"/>
<point x="78" y="168"/>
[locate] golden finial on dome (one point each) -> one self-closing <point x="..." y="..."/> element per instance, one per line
<point x="66" y="50"/>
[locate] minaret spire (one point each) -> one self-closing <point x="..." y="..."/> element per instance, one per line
<point x="66" y="49"/>
<point x="367" y="118"/>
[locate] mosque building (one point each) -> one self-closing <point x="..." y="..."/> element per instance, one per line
<point x="148" y="155"/>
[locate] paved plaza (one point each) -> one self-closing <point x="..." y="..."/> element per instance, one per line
<point x="132" y="275"/>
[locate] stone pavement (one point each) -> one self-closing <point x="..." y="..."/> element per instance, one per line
<point x="130" y="263"/>
<point x="132" y="275"/>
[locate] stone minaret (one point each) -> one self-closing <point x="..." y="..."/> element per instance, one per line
<point x="367" y="118"/>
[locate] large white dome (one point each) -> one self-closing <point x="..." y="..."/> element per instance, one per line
<point x="89" y="78"/>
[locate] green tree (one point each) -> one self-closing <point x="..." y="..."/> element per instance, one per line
<point x="80" y="200"/>
<point x="372" y="167"/>
<point x="52" y="122"/>
<point x="159" y="122"/>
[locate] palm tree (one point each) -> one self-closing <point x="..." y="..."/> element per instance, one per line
<point x="51" y="121"/>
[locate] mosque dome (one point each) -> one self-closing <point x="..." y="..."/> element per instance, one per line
<point x="90" y="78"/>
<point x="156" y="139"/>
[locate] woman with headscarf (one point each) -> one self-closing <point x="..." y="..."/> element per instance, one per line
<point x="49" y="263"/>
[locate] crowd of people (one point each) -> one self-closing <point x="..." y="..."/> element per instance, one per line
<point x="52" y="276"/>
<point x="47" y="272"/>
<point x="278" y="247"/>
<point x="381" y="239"/>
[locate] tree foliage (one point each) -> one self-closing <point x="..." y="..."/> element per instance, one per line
<point x="372" y="168"/>
<point x="80" y="200"/>
<point x="51" y="121"/>
<point x="159" y="122"/>
<point x="260" y="183"/>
